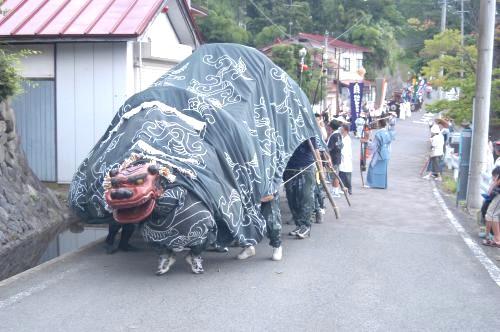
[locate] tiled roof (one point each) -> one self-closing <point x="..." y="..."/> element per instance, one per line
<point x="76" y="18"/>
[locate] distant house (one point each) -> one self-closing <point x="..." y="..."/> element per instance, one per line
<point x="344" y="60"/>
<point x="94" y="54"/>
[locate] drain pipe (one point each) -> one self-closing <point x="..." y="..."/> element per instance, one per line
<point x="138" y="67"/>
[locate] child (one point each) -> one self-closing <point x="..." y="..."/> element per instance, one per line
<point x="345" y="167"/>
<point x="437" y="144"/>
<point x="492" y="208"/>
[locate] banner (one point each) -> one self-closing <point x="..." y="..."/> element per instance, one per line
<point x="356" y="95"/>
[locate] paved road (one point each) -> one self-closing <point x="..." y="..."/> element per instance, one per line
<point x="393" y="262"/>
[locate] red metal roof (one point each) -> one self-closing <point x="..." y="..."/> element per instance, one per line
<point x="333" y="42"/>
<point x="76" y="18"/>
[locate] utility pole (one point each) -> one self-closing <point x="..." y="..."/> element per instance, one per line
<point x="482" y="102"/>
<point x="443" y="28"/>
<point x="462" y="12"/>
<point x="462" y="23"/>
<point x="443" y="15"/>
<point x="337" y="111"/>
<point x="324" y="73"/>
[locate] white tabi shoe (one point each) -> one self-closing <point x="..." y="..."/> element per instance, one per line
<point x="277" y="253"/>
<point x="164" y="263"/>
<point x="195" y="262"/>
<point x="246" y="253"/>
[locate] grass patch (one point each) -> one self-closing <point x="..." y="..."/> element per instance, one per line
<point x="449" y="184"/>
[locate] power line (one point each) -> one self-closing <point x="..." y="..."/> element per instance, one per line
<point x="290" y="35"/>
<point x="352" y="26"/>
<point x="269" y="19"/>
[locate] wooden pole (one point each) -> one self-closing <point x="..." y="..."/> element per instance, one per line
<point x="322" y="179"/>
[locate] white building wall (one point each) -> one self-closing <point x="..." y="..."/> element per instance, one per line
<point x="164" y="42"/>
<point x="352" y="74"/>
<point x="91" y="84"/>
<point x="38" y="65"/>
<point x="158" y="50"/>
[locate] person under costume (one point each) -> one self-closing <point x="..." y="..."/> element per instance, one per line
<point x="270" y="210"/>
<point x="127" y="231"/>
<point x="380" y="147"/>
<point x="299" y="189"/>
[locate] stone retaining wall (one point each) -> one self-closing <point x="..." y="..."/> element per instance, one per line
<point x="30" y="214"/>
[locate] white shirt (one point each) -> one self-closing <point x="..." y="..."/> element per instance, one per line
<point x="437" y="144"/>
<point x="324" y="134"/>
<point x="346" y="153"/>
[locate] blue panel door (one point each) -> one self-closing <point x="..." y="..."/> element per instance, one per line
<point x="36" y="126"/>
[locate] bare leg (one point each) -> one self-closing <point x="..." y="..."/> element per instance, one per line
<point x="488" y="228"/>
<point x="495" y="225"/>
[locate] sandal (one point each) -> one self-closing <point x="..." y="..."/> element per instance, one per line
<point x="490" y="243"/>
<point x="486" y="242"/>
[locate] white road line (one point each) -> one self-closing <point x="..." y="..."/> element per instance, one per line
<point x="478" y="252"/>
<point x="32" y="290"/>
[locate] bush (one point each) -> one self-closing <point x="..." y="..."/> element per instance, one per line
<point x="10" y="81"/>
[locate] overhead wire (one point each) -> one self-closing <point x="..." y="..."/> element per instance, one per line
<point x="270" y="20"/>
<point x="290" y="36"/>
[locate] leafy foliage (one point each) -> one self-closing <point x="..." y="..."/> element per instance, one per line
<point x="287" y="57"/>
<point x="444" y="52"/>
<point x="219" y="27"/>
<point x="397" y="31"/>
<point x="268" y="35"/>
<point x="10" y="80"/>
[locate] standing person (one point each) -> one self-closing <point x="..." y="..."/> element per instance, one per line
<point x="437" y="145"/>
<point x="392" y="125"/>
<point x="492" y="215"/>
<point x="299" y="189"/>
<point x="319" y="193"/>
<point x="445" y="131"/>
<point x="380" y="147"/>
<point x="345" y="167"/>
<point x="496" y="151"/>
<point x="319" y="199"/>
<point x="334" y="145"/>
<point x="321" y="125"/>
<point x="360" y="123"/>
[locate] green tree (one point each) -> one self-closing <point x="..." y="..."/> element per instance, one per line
<point x="380" y="38"/>
<point x="219" y="27"/>
<point x="287" y="57"/>
<point x="10" y="80"/>
<point x="445" y="53"/>
<point x="268" y="35"/>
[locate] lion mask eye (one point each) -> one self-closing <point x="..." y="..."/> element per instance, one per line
<point x="139" y="181"/>
<point x="113" y="172"/>
<point x="153" y="169"/>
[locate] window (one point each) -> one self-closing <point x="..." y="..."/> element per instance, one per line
<point x="359" y="63"/>
<point x="347" y="64"/>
